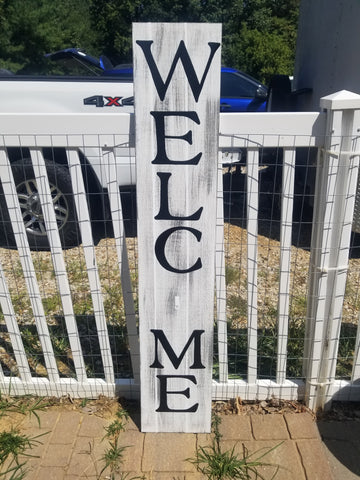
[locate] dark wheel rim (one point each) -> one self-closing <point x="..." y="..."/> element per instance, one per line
<point x="30" y="205"/>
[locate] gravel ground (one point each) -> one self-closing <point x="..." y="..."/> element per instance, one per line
<point x="236" y="265"/>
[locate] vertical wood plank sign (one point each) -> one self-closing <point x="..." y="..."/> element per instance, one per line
<point x="177" y="97"/>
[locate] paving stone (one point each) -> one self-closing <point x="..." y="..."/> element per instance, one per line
<point x="236" y="427"/>
<point x="86" y="457"/>
<point x="162" y="456"/>
<point x="66" y="429"/>
<point x="84" y="477"/>
<point x="92" y="426"/>
<point x="269" y="427"/>
<point x="31" y="472"/>
<point x="134" y="442"/>
<point x="283" y="458"/>
<point x="50" y="473"/>
<point x="314" y="460"/>
<point x="301" y="425"/>
<point x="204" y="439"/>
<point x="48" y="420"/>
<point x="57" y="456"/>
<point x="174" y="476"/>
<point x="33" y="462"/>
<point x="38" y="449"/>
<point x="167" y="452"/>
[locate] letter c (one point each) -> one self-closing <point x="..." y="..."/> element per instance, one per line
<point x="160" y="250"/>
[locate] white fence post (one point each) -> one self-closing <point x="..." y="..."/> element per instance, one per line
<point x="220" y="271"/>
<point x="336" y="183"/>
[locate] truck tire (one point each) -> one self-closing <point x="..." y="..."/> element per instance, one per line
<point x="63" y="201"/>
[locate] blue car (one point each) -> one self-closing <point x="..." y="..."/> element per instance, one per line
<point x="239" y="92"/>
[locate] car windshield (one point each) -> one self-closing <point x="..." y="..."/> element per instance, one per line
<point x="75" y="66"/>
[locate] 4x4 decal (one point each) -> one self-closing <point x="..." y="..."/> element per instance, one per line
<point x="100" y="101"/>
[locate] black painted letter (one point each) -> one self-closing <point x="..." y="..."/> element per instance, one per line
<point x="164" y="213"/>
<point x="160" y="245"/>
<point x="182" y="55"/>
<point x="176" y="360"/>
<point x="164" y="392"/>
<point x="161" y="156"/>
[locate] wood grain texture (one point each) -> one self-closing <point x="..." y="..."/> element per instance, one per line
<point x="176" y="253"/>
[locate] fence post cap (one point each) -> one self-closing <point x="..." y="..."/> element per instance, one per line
<point x="342" y="100"/>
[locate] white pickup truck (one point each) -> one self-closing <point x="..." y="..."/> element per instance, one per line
<point x="89" y="94"/>
<point x="95" y="95"/>
<point x="60" y="95"/>
<point x="112" y="92"/>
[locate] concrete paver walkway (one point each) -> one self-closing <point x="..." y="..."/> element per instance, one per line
<point x="75" y="443"/>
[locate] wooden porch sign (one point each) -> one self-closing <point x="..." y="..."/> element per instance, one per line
<point x="177" y="96"/>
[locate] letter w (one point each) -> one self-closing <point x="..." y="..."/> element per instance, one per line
<point x="175" y="360"/>
<point x="182" y="55"/>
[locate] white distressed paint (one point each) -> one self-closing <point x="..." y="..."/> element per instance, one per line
<point x="238" y="130"/>
<point x="177" y="304"/>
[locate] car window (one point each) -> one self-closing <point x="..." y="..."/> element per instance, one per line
<point x="234" y="85"/>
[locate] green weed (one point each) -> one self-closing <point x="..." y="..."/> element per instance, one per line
<point x="52" y="304"/>
<point x="14" y="446"/>
<point x="17" y="269"/>
<point x="114" y="304"/>
<point x="21" y="303"/>
<point x="76" y="270"/>
<point x="113" y="456"/>
<point x="31" y="342"/>
<point x="298" y="307"/>
<point x="346" y="351"/>
<point x="238" y="307"/>
<point x="83" y="305"/>
<point x="42" y="267"/>
<point x="232" y="275"/>
<point x="218" y="464"/>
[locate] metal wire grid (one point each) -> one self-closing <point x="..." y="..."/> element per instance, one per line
<point x="256" y="218"/>
<point x="63" y="311"/>
<point x="269" y="258"/>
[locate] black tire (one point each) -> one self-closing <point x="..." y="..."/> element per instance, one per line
<point x="60" y="185"/>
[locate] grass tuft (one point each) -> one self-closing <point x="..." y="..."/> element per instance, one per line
<point x="113" y="456"/>
<point x="14" y="446"/>
<point x="217" y="464"/>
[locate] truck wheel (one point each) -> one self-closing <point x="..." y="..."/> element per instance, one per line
<point x="63" y="202"/>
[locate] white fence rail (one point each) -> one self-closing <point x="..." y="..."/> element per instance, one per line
<point x="249" y="313"/>
<point x="73" y="133"/>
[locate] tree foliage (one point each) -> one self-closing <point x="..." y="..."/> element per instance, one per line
<point x="31" y="28"/>
<point x="258" y="35"/>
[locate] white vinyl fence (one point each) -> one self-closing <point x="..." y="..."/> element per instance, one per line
<point x="287" y="307"/>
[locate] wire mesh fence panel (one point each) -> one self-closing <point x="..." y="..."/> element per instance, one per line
<point x="68" y="260"/>
<point x="28" y="272"/>
<point x="63" y="311"/>
<point x="268" y="210"/>
<point x="280" y="253"/>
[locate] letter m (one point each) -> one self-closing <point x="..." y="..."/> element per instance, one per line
<point x="176" y="360"/>
<point x="182" y="55"/>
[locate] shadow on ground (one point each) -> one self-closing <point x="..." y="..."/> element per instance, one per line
<point x="340" y="432"/>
